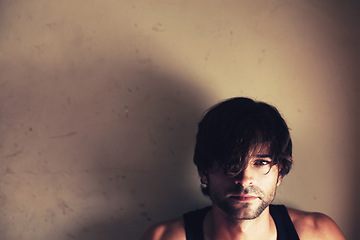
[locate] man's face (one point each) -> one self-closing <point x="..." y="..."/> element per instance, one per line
<point x="246" y="195"/>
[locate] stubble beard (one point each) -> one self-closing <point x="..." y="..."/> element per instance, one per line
<point x="244" y="210"/>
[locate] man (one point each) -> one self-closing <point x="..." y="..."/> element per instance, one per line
<point x="243" y="150"/>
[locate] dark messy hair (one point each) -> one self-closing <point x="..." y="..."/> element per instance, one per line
<point x="230" y="128"/>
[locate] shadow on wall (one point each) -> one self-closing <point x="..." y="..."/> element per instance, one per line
<point x="142" y="158"/>
<point x="105" y="131"/>
<point x="351" y="18"/>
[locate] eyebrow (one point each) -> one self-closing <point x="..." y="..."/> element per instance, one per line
<point x="263" y="155"/>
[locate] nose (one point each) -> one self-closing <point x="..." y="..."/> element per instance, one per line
<point x="245" y="177"/>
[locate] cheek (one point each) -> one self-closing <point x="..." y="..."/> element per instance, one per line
<point x="219" y="184"/>
<point x="269" y="185"/>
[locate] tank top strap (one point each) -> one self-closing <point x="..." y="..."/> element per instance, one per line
<point x="284" y="226"/>
<point x="194" y="224"/>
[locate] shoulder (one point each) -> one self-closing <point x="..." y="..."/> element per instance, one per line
<point x="170" y="230"/>
<point x="312" y="225"/>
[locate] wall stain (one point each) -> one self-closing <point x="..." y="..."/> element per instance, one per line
<point x="9" y="171"/>
<point x="158" y="28"/>
<point x="13" y="154"/>
<point x="64" y="135"/>
<point x="145" y="215"/>
<point x="63" y="206"/>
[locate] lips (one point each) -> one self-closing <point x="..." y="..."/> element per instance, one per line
<point x="243" y="198"/>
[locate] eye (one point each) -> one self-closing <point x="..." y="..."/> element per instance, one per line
<point x="262" y="165"/>
<point x="261" y="162"/>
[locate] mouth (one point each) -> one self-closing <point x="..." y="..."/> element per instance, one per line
<point x="243" y="198"/>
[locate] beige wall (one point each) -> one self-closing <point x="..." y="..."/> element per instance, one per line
<point x="99" y="102"/>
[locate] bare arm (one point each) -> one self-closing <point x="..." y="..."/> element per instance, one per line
<point x="315" y="226"/>
<point x="171" y="230"/>
<point x="327" y="228"/>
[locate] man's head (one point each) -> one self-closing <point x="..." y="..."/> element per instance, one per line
<point x="231" y="129"/>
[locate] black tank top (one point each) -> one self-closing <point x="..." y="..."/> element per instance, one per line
<point x="284" y="226"/>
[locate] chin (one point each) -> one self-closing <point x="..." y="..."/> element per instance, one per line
<point x="244" y="211"/>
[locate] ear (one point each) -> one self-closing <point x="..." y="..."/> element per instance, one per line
<point x="203" y="176"/>
<point x="279" y="179"/>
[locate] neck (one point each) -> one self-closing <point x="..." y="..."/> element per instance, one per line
<point x="219" y="225"/>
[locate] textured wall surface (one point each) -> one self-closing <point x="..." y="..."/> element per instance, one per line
<point x="99" y="102"/>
